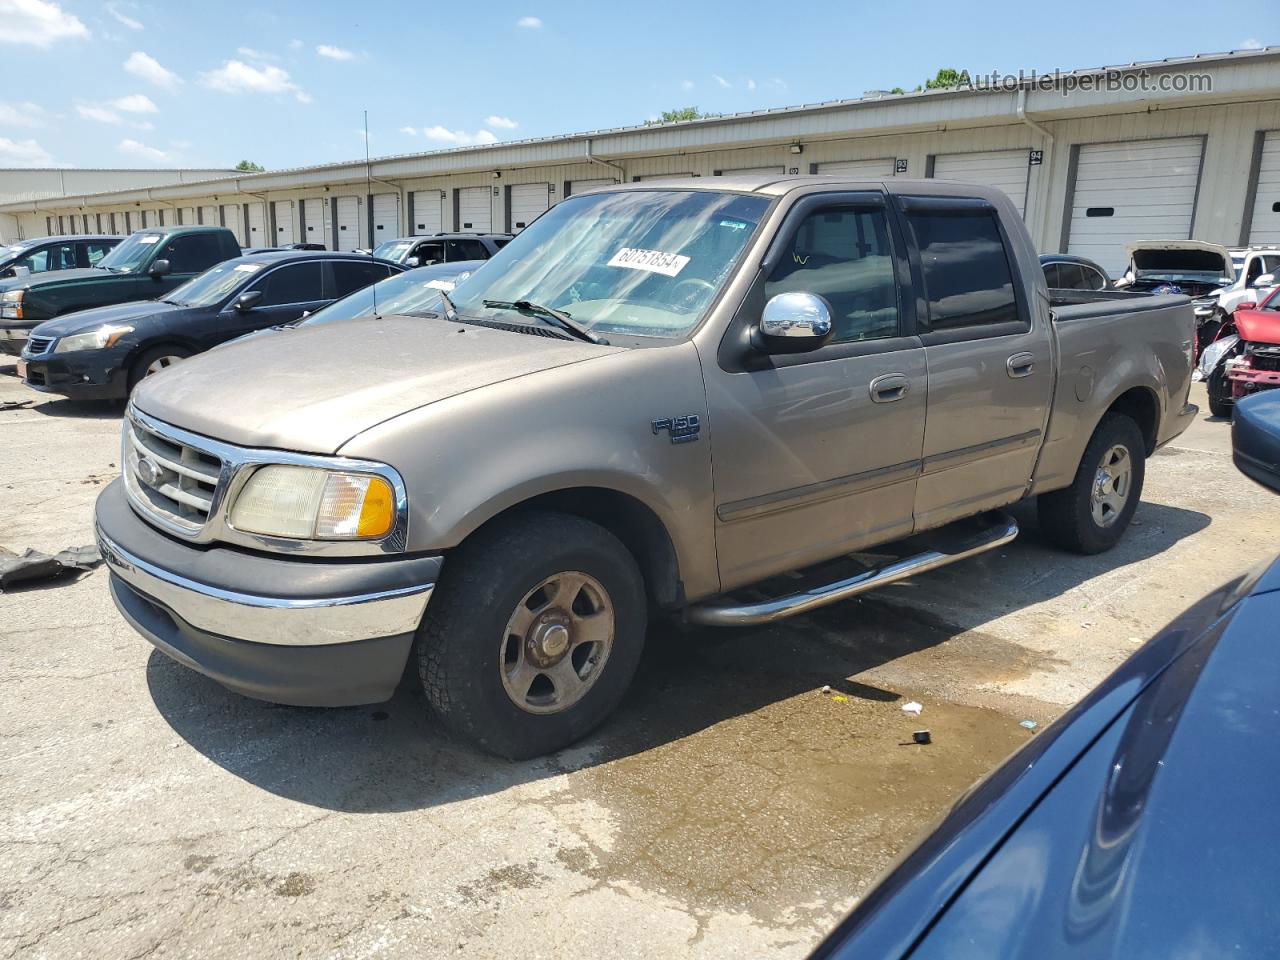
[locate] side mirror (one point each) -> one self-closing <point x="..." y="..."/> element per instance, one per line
<point x="160" y="268"/>
<point x="794" y="323"/>
<point x="248" y="300"/>
<point x="1247" y="305"/>
<point x="1255" y="438"/>
<point x="19" y="272"/>
<point x="412" y="262"/>
<point x="1266" y="280"/>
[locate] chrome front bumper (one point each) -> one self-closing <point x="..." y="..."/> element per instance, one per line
<point x="280" y="621"/>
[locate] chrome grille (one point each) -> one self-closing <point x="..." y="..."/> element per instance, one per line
<point x="173" y="480"/>
<point x="38" y="345"/>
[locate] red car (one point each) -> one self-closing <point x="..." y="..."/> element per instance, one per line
<point x="1255" y="364"/>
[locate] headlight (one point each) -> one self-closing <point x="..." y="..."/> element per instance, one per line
<point x="307" y="503"/>
<point x="93" y="340"/>
<point x="11" y="304"/>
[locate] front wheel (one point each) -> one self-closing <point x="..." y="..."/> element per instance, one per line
<point x="1219" y="389"/>
<point x="533" y="635"/>
<point x="153" y="362"/>
<point x="1092" y="514"/>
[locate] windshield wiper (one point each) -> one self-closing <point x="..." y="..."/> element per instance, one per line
<point x="557" y="317"/>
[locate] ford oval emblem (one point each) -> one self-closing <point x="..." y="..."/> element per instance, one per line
<point x="148" y="471"/>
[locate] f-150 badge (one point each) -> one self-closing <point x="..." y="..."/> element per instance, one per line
<point x="679" y="429"/>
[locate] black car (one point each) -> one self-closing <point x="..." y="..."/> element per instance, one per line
<point x="53" y="253"/>
<point x="441" y="248"/>
<point x="1062" y="271"/>
<point x="1140" y="824"/>
<point x="102" y="353"/>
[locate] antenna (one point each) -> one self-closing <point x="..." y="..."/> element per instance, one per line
<point x="368" y="192"/>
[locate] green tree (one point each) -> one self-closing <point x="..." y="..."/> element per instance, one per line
<point x="250" y="167"/>
<point x="682" y="113"/>
<point x="947" y="78"/>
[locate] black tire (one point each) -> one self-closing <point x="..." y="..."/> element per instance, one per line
<point x="1067" y="516"/>
<point x="138" y="369"/>
<point x="1221" y="403"/>
<point x="461" y="644"/>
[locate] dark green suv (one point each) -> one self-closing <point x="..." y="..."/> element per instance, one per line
<point x="145" y="266"/>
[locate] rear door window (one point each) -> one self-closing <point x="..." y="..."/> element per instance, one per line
<point x="967" y="272"/>
<point x="194" y="253"/>
<point x="466" y="249"/>
<point x="352" y="275"/>
<point x="293" y="283"/>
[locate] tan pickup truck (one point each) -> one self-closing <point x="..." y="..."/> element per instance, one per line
<point x="653" y="397"/>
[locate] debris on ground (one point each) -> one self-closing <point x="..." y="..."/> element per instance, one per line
<point x="912" y="708"/>
<point x="32" y="565"/>
<point x="922" y="736"/>
<point x="839" y="699"/>
<point x="826" y="690"/>
<point x="15" y="404"/>
<point x="1029" y="724"/>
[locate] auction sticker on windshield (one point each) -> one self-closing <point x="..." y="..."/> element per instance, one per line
<point x="654" y="261"/>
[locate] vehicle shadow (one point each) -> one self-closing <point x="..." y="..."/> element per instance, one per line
<point x="81" y="409"/>
<point x="395" y="756"/>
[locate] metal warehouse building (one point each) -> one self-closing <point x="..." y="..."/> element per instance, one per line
<point x="1171" y="149"/>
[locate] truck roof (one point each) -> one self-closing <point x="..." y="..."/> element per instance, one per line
<point x="779" y="185"/>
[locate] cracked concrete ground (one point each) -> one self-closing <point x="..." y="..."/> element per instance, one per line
<point x="730" y="809"/>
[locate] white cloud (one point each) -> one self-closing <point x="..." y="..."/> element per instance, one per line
<point x="334" y="53"/>
<point x="529" y="23"/>
<point x="236" y="76"/>
<point x="23" y="153"/>
<point x="24" y="114"/>
<point x="93" y="111"/>
<point x="149" y="69"/>
<point x="686" y="84"/>
<point x="135" y="103"/>
<point x="721" y="80"/>
<point x="409" y="130"/>
<point x="751" y="84"/>
<point x="123" y="18"/>
<point x="1251" y="44"/>
<point x="458" y="137"/>
<point x="505" y="123"/>
<point x="37" y="23"/>
<point x="253" y="54"/>
<point x="141" y="151"/>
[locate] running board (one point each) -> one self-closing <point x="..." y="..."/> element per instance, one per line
<point x="722" y="612"/>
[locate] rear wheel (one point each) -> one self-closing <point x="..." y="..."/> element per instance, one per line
<point x="1092" y="514"/>
<point x="154" y="361"/>
<point x="1219" y="387"/>
<point x="533" y="635"/>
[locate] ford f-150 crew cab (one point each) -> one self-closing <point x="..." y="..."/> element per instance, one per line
<point x="652" y="398"/>
<point x="145" y="266"/>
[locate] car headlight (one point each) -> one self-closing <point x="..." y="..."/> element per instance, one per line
<point x="106" y="336"/>
<point x="11" y="304"/>
<point x="308" y="503"/>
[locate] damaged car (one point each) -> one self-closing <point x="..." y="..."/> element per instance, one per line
<point x="1191" y="267"/>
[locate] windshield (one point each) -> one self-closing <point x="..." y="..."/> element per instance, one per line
<point x="392" y="249"/>
<point x="644" y="263"/>
<point x="414" y="293"/>
<point x="214" y="285"/>
<point x="131" y="252"/>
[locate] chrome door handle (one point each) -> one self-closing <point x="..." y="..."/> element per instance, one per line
<point x="1021" y="365"/>
<point x="889" y="387"/>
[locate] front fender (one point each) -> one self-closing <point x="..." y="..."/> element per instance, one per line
<point x="468" y="458"/>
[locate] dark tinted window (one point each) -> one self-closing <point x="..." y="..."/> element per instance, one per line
<point x="428" y="253"/>
<point x="351" y="275"/>
<point x="295" y="283"/>
<point x="501" y="242"/>
<point x="1065" y="276"/>
<point x="466" y="249"/>
<point x="967" y="277"/>
<point x="1053" y="276"/>
<point x="843" y="255"/>
<point x="1093" y="280"/>
<point x="192" y="254"/>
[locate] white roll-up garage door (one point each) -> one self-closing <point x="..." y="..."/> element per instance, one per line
<point x="871" y="169"/>
<point x="259" y="235"/>
<point x="528" y="202"/>
<point x="386" y="217"/>
<point x="1264" y="228"/>
<point x="1004" y="169"/>
<point x="474" y="212"/>
<point x="233" y="220"/>
<point x="208" y="216"/>
<point x="664" y="176"/>
<point x="319" y="226"/>
<point x="348" y="224"/>
<point x="582" y="186"/>
<point x="774" y="171"/>
<point x="187" y="216"/>
<point x="428" y="212"/>
<point x="284" y="223"/>
<point x="1137" y="190"/>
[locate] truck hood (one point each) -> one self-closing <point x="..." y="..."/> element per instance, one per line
<point x="1258" y="326"/>
<point x="1166" y="257"/>
<point x="311" y="389"/>
<point x="55" y="276"/>
<point x="83" y="320"/>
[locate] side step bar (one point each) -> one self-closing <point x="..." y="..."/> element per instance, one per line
<point x="723" y="613"/>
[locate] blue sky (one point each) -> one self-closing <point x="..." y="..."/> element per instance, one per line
<point x="150" y="83"/>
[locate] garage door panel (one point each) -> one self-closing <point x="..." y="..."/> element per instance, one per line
<point x="348" y="224"/>
<point x="1264" y="228"/>
<point x="582" y="186"/>
<point x="475" y="213"/>
<point x="284" y="223"/>
<point x="528" y="202"/>
<point x="386" y="218"/>
<point x="1150" y="187"/>
<point x="1005" y="170"/>
<point x="234" y="221"/>
<point x="259" y="236"/>
<point x="428" y="212"/>
<point x="881" y="167"/>
<point x="769" y="171"/>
